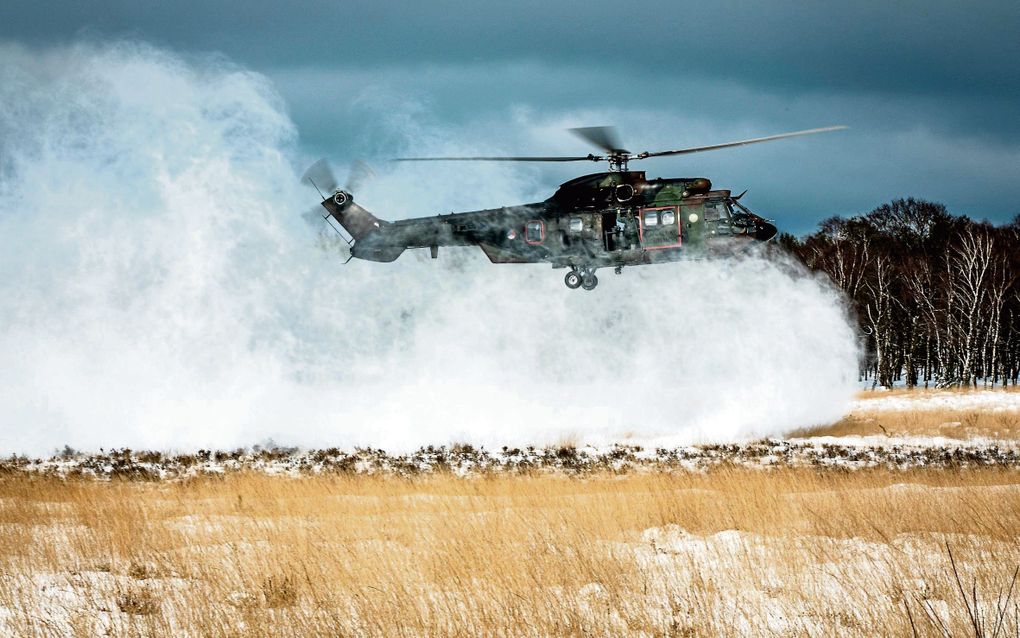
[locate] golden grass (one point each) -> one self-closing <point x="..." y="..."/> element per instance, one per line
<point x="729" y="551"/>
<point x="881" y="392"/>
<point x="949" y="423"/>
<point x="872" y="418"/>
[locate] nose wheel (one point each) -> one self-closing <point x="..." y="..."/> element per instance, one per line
<point x="581" y="278"/>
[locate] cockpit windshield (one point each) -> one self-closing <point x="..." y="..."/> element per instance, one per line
<point x="718" y="211"/>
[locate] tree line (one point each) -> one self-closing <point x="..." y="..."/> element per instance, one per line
<point x="936" y="296"/>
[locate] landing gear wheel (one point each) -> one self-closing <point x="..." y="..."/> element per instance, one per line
<point x="588" y="282"/>
<point x="572" y="279"/>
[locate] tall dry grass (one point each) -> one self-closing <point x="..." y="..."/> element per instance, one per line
<point x="729" y="551"/>
<point x="945" y="422"/>
<point x="960" y="420"/>
<point x="956" y="390"/>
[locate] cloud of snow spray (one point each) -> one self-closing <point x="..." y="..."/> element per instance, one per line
<point x="161" y="291"/>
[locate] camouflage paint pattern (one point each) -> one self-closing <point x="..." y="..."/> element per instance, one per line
<point x="603" y="219"/>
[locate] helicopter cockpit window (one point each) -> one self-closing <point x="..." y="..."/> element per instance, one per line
<point x="535" y="232"/>
<point x="717" y="212"/>
<point x="576" y="224"/>
<point x="651" y="218"/>
<point x="668" y="218"/>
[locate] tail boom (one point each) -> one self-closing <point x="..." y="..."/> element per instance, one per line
<point x="368" y="231"/>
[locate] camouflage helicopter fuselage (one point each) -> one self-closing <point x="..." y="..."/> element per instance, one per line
<point x="611" y="219"/>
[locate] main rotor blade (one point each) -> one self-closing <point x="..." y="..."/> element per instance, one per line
<point x="605" y="137"/>
<point x="712" y="147"/>
<point x="590" y="158"/>
<point x="320" y="174"/>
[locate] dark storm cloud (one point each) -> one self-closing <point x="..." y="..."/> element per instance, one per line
<point x="930" y="88"/>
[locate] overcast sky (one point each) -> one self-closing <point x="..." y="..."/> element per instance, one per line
<point x="931" y="90"/>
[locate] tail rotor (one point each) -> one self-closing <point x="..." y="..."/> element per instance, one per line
<point x="338" y="204"/>
<point x="359" y="174"/>
<point x="322" y="178"/>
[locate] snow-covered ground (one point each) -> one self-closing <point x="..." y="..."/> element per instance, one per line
<point x="738" y="582"/>
<point x="976" y="400"/>
<point x="849" y="452"/>
<point x="902" y="447"/>
<point x="759" y="581"/>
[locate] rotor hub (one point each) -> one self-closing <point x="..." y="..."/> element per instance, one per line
<point x="618" y="162"/>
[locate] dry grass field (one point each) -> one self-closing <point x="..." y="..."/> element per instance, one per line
<point x="947" y="423"/>
<point x="657" y="550"/>
<point x="723" y="552"/>
<point x="955" y="414"/>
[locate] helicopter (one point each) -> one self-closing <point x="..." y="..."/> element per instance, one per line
<point x="611" y="219"/>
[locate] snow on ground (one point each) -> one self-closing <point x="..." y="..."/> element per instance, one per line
<point x="732" y="581"/>
<point x="807" y="585"/>
<point x="847" y="452"/>
<point x="900" y="450"/>
<point x="976" y="400"/>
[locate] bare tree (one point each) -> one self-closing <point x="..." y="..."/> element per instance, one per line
<point x="970" y="262"/>
<point x="937" y="297"/>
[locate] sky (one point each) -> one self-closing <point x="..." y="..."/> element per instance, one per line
<point x="930" y="90"/>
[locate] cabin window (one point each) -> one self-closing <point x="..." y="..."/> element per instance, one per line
<point x="576" y="224"/>
<point x="668" y="218"/>
<point x="651" y="218"/>
<point x="534" y="232"/>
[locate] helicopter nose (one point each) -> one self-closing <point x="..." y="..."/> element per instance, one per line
<point x="765" y="231"/>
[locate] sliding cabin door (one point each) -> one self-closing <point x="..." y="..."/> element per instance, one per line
<point x="659" y="227"/>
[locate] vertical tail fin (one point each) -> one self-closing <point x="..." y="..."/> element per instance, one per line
<point x="371" y="241"/>
<point x="356" y="220"/>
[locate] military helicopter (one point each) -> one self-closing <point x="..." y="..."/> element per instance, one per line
<point x="611" y="219"/>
